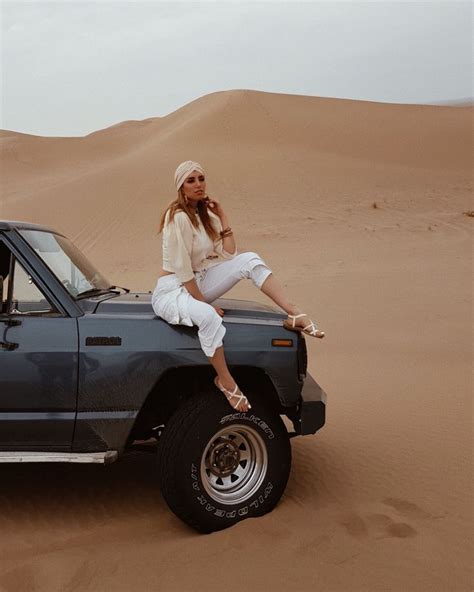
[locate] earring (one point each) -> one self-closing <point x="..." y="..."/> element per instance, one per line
<point x="186" y="199"/>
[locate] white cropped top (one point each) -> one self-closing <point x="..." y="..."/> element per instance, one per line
<point x="187" y="249"/>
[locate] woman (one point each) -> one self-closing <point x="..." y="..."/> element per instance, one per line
<point x="200" y="264"/>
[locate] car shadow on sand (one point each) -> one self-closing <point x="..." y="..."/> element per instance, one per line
<point x="65" y="495"/>
<point x="63" y="491"/>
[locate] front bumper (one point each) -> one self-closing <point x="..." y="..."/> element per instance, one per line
<point x="312" y="412"/>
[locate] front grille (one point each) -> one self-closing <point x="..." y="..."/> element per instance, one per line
<point x="302" y="357"/>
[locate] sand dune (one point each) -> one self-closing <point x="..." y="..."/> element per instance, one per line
<point x="358" y="208"/>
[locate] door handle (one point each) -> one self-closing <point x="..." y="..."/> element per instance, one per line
<point x="8" y="345"/>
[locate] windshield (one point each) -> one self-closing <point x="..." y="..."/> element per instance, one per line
<point x="67" y="262"/>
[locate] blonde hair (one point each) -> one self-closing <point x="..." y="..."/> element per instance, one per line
<point x="179" y="205"/>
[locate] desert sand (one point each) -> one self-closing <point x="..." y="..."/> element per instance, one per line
<point x="360" y="210"/>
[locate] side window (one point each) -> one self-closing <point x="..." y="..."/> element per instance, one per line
<point x="19" y="294"/>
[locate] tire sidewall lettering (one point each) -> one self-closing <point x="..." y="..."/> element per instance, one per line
<point x="255" y="419"/>
<point x="221" y="512"/>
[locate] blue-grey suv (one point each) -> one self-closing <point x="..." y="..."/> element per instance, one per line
<point x="88" y="372"/>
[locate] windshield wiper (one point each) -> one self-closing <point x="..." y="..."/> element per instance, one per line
<point x="126" y="290"/>
<point x="93" y="292"/>
<point x="98" y="291"/>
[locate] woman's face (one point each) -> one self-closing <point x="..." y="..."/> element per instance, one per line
<point x="194" y="187"/>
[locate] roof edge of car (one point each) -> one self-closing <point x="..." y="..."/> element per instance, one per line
<point x="21" y="225"/>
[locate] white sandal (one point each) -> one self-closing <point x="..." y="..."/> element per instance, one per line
<point x="235" y="394"/>
<point x="310" y="329"/>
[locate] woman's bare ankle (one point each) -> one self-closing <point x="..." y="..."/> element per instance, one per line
<point x="227" y="381"/>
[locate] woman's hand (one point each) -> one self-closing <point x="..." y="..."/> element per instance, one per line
<point x="228" y="242"/>
<point x="215" y="206"/>
<point x="219" y="310"/>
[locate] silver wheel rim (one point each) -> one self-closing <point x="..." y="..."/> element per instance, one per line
<point x="234" y="464"/>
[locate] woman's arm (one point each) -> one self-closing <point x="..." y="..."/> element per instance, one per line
<point x="179" y="242"/>
<point x="181" y="246"/>
<point x="228" y="242"/>
<point x="192" y="287"/>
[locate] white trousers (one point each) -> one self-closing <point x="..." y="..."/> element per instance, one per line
<point x="173" y="303"/>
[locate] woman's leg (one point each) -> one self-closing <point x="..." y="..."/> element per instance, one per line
<point x="272" y="288"/>
<point x="222" y="277"/>
<point x="225" y="378"/>
<point x="211" y="333"/>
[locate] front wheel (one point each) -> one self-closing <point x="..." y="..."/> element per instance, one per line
<point x="219" y="466"/>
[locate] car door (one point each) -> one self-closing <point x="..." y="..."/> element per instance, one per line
<point x="38" y="362"/>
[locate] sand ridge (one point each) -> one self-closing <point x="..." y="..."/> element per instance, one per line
<point x="358" y="208"/>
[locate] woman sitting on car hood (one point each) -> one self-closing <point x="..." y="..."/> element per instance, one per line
<point x="200" y="264"/>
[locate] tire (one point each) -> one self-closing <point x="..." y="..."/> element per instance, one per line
<point x="249" y="454"/>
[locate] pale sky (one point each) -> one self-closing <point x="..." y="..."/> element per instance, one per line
<point x="72" y="67"/>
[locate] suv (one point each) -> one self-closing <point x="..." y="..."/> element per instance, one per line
<point x="88" y="373"/>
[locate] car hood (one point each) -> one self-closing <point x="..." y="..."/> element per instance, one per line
<point x="140" y="303"/>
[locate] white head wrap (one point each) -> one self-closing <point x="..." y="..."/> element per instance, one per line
<point x="183" y="171"/>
